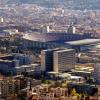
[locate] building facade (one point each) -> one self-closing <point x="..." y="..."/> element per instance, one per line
<point x="96" y="72"/>
<point x="64" y="60"/>
<point x="47" y="60"/>
<point x="9" y="87"/>
<point x="58" y="60"/>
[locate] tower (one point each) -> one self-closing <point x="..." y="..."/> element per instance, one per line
<point x="71" y="29"/>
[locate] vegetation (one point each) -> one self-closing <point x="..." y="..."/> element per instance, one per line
<point x="44" y="81"/>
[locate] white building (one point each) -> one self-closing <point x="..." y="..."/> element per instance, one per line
<point x="1" y="20"/>
<point x="28" y="68"/>
<point x="45" y="29"/>
<point x="64" y="60"/>
<point x="71" y="29"/>
<point x="57" y="60"/>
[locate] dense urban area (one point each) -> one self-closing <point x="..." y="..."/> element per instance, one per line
<point x="50" y="50"/>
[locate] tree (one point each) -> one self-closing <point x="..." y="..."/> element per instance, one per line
<point x="10" y="73"/>
<point x="73" y="92"/>
<point x="64" y="84"/>
<point x="46" y="81"/>
<point x="57" y="84"/>
<point x="83" y="96"/>
<point x="79" y="96"/>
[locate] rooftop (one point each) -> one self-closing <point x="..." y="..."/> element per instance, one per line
<point x="41" y="37"/>
<point x="79" y="71"/>
<point x="64" y="50"/>
<point x="84" y="42"/>
<point x="59" y="37"/>
<point x="76" y="77"/>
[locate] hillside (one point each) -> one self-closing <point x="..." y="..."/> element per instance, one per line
<point x="69" y="4"/>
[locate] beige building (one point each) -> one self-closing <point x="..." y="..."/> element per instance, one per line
<point x="58" y="60"/>
<point x="9" y="87"/>
<point x="47" y="93"/>
<point x="64" y="60"/>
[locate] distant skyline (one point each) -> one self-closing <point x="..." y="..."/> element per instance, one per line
<point x="69" y="4"/>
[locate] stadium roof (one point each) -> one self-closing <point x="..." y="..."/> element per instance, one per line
<point x="83" y="42"/>
<point x="60" y="37"/>
<point x="44" y="37"/>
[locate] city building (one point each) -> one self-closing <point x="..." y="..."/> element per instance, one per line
<point x="30" y="69"/>
<point x="50" y="40"/>
<point x="7" y="66"/>
<point x="57" y="75"/>
<point x="64" y="60"/>
<point x="23" y="59"/>
<point x="9" y="87"/>
<point x="71" y="30"/>
<point x="45" y="29"/>
<point x="44" y="92"/>
<point x="84" y="44"/>
<point x="47" y="60"/>
<point x="4" y="34"/>
<point x="18" y="63"/>
<point x="58" y="60"/>
<point x="1" y="20"/>
<point x="96" y="73"/>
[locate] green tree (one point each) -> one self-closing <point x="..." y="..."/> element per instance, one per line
<point x="73" y="92"/>
<point x="64" y="84"/>
<point x="79" y="96"/>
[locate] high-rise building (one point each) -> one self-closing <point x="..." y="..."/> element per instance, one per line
<point x="47" y="60"/>
<point x="64" y="60"/>
<point x="58" y="60"/>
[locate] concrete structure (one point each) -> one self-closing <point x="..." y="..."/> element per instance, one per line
<point x="14" y="63"/>
<point x="22" y="58"/>
<point x="9" y="87"/>
<point x="28" y="68"/>
<point x="47" y="60"/>
<point x="96" y="72"/>
<point x="71" y="30"/>
<point x="81" y="73"/>
<point x="45" y="29"/>
<point x="4" y="34"/>
<point x="55" y="37"/>
<point x="84" y="44"/>
<point x="58" y="60"/>
<point x="57" y="75"/>
<point x="50" y="40"/>
<point x="1" y="20"/>
<point x="64" y="60"/>
<point x="7" y="66"/>
<point x="44" y="92"/>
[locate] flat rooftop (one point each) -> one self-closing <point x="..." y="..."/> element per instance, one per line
<point x="80" y="71"/>
<point x="6" y="61"/>
<point x="64" y="50"/>
<point x="83" y="42"/>
<point x="76" y="77"/>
